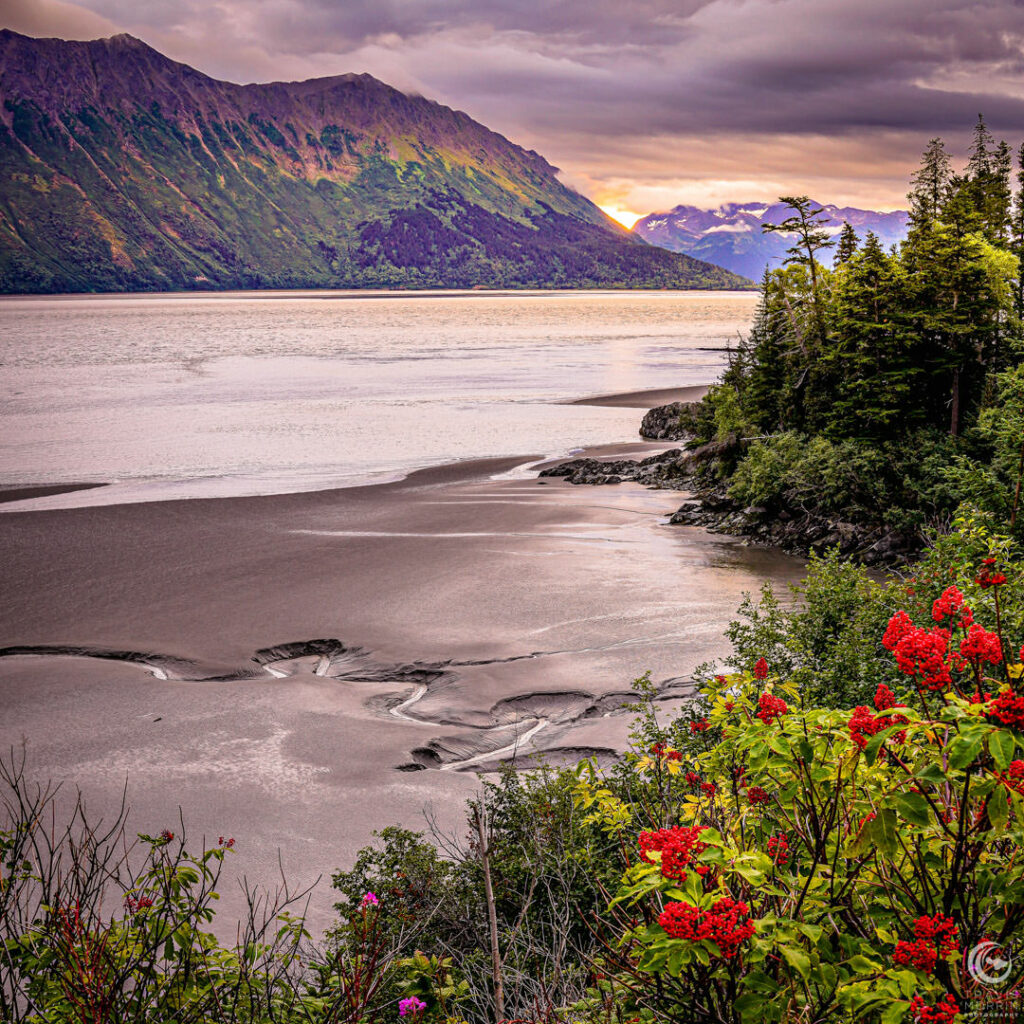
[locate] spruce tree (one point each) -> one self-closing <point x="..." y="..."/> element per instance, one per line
<point x="874" y="365"/>
<point x="808" y="225"/>
<point x="979" y="163"/>
<point x="1017" y="235"/>
<point x="848" y="242"/>
<point x="929" y="184"/>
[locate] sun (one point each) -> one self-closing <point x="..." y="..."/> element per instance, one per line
<point x="627" y="218"/>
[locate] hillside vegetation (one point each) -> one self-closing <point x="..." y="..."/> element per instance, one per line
<point x="890" y="388"/>
<point x="123" y="170"/>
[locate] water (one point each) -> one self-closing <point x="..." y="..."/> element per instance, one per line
<point x="254" y="393"/>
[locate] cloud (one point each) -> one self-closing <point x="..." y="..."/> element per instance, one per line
<point x="637" y="98"/>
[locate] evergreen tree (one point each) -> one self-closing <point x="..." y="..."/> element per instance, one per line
<point x="767" y="355"/>
<point x="999" y="208"/>
<point x="848" y="242"/>
<point x="1017" y="235"/>
<point x="979" y="163"/>
<point x="874" y="368"/>
<point x="808" y="225"/>
<point x="929" y="184"/>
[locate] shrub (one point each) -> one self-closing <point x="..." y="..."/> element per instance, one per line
<point x="803" y="862"/>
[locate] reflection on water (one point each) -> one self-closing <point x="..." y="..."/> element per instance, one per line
<point x="246" y="393"/>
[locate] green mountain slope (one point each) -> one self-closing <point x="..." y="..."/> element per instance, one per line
<point x="123" y="170"/>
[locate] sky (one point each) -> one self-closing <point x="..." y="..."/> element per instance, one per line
<point x="642" y="104"/>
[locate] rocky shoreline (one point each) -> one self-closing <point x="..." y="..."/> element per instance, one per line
<point x="795" y="531"/>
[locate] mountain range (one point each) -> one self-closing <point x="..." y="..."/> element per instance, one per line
<point x="121" y="169"/>
<point x="731" y="235"/>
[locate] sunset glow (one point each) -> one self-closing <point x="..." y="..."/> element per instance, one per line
<point x="627" y="218"/>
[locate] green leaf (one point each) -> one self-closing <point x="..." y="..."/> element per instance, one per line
<point x="675" y="961"/>
<point x="914" y="808"/>
<point x="797" y="959"/>
<point x="907" y="982"/>
<point x="749" y="874"/>
<point x="998" y="810"/>
<point x="862" y="965"/>
<point x="1001" y="745"/>
<point x="964" y="749"/>
<point x="750" y="1007"/>
<point x="895" y="1011"/>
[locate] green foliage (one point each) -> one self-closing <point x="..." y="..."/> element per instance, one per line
<point x="882" y="392"/>
<point x="918" y="817"/>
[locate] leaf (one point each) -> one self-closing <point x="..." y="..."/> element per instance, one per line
<point x="895" y="1011"/>
<point x="998" y="811"/>
<point x="964" y="749"/>
<point x="750" y="1007"/>
<point x="914" y="808"/>
<point x="1001" y="745"/>
<point x="675" y="961"/>
<point x="749" y="874"/>
<point x="862" y="965"/>
<point x="797" y="959"/>
<point x="932" y="773"/>
<point x="907" y="982"/>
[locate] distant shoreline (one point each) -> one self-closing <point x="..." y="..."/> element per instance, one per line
<point x="365" y="293"/>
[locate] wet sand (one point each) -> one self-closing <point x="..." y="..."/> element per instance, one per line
<point x="645" y="399"/>
<point x="297" y="670"/>
<point x="22" y="492"/>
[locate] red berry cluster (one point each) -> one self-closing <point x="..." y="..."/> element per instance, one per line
<point x="1014" y="776"/>
<point x="756" y="795"/>
<point x="980" y="645"/>
<point x="987" y="578"/>
<point x="133" y="904"/>
<point x="761" y="669"/>
<point x="660" y="750"/>
<point x="770" y="707"/>
<point x="778" y="849"/>
<point x="943" y="1012"/>
<point x="1008" y="709"/>
<point x="920" y="653"/>
<point x="678" y="847"/>
<point x="725" y="923"/>
<point x="934" y="937"/>
<point x="948" y="604"/>
<point x="226" y="843"/>
<point x="708" y="788"/>
<point x="700" y="725"/>
<point x="863" y="723"/>
<point x="692" y="780"/>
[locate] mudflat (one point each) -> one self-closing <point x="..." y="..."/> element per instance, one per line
<point x="297" y="670"/>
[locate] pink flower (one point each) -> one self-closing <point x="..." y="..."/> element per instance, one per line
<point x="370" y="900"/>
<point x="412" y="1005"/>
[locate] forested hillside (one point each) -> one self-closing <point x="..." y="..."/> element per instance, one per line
<point x="889" y="388"/>
<point x="122" y="170"/>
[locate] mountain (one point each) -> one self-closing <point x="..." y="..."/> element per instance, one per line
<point x="123" y="170"/>
<point x="731" y="235"/>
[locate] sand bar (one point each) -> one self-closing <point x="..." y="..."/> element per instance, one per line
<point x="645" y="399"/>
<point x="296" y="670"/>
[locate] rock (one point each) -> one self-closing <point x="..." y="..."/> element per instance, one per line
<point x="669" y="422"/>
<point x="690" y="513"/>
<point x="599" y="471"/>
